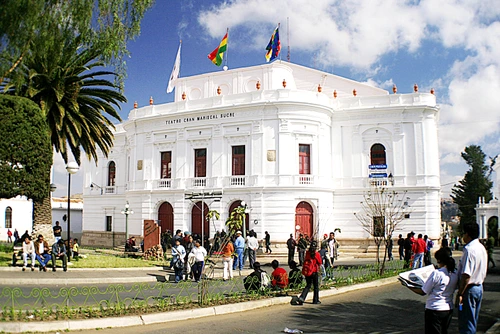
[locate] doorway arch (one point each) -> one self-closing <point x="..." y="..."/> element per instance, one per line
<point x="233" y="206"/>
<point x="304" y="222"/>
<point x="196" y="219"/>
<point x="166" y="217"/>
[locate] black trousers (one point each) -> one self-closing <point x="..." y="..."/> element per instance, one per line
<point x="311" y="280"/>
<point x="291" y="255"/>
<point x="437" y="322"/>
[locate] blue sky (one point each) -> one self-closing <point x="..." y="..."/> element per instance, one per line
<point x="449" y="45"/>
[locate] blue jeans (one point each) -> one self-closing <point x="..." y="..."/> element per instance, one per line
<point x="471" y="304"/>
<point x="239" y="260"/>
<point x="418" y="260"/>
<point x="43" y="259"/>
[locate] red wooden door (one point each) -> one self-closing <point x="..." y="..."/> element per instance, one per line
<point x="196" y="219"/>
<point x="166" y="217"/>
<point x="200" y="160"/>
<point x="304" y="159"/>
<point x="304" y="219"/>
<point x="238" y="162"/>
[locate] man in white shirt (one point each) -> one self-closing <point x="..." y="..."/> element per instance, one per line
<point x="252" y="246"/>
<point x="28" y="251"/>
<point x="472" y="272"/>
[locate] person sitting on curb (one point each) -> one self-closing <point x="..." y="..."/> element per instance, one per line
<point x="42" y="252"/>
<point x="257" y="281"/>
<point x="28" y="251"/>
<point x="59" y="252"/>
<point x="130" y="245"/>
<point x="279" y="276"/>
<point x="295" y="277"/>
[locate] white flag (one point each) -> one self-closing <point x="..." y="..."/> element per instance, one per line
<point x="175" y="71"/>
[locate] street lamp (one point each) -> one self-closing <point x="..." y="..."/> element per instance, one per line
<point x="126" y="212"/>
<point x="72" y="167"/>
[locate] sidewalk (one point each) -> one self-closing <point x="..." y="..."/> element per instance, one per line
<point x="14" y="276"/>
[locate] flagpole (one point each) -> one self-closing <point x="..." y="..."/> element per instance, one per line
<point x="288" y="37"/>
<point x="279" y="25"/>
<point x="227" y="48"/>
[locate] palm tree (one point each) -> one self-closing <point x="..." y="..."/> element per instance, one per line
<point x="74" y="100"/>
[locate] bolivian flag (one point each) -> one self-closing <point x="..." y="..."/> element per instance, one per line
<point x="217" y="55"/>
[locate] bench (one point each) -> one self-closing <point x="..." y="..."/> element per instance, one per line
<point x="17" y="255"/>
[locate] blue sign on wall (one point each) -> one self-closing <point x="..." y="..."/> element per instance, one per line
<point x="377" y="166"/>
<point x="378" y="175"/>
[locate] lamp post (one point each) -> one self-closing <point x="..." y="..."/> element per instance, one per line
<point x="72" y="168"/>
<point x="127" y="212"/>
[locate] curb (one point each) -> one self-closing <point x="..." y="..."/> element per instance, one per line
<point x="147" y="319"/>
<point x="152" y="276"/>
<point x="495" y="329"/>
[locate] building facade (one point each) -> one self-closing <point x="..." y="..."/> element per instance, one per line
<point x="299" y="146"/>
<point x="488" y="213"/>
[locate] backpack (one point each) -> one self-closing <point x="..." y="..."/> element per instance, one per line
<point x="309" y="268"/>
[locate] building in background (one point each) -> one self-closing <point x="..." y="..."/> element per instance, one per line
<point x="487" y="213"/>
<point x="299" y="146"/>
<point x="17" y="213"/>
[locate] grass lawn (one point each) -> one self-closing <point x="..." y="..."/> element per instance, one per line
<point x="94" y="261"/>
<point x="111" y="261"/>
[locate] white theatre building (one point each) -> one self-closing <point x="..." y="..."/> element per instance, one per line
<point x="299" y="146"/>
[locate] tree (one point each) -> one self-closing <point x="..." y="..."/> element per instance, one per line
<point x="23" y="172"/>
<point x="382" y="211"/>
<point x="107" y="25"/>
<point x="235" y="220"/>
<point x="476" y="183"/>
<point x="74" y="99"/>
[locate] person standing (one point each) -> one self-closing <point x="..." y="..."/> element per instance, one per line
<point x="490" y="245"/>
<point x="472" y="272"/>
<point x="268" y="243"/>
<point x="439" y="287"/>
<point x="252" y="246"/>
<point x="9" y="235"/>
<point x="291" y="244"/>
<point x="389" y="247"/>
<point x="429" y="244"/>
<point x="408" y="247"/>
<point x="419" y="247"/>
<point x="332" y="254"/>
<point x="76" y="248"/>
<point x="199" y="253"/>
<point x="310" y="269"/>
<point x="401" y="244"/>
<point x="57" y="231"/>
<point x="301" y="247"/>
<point x="227" y="260"/>
<point x="178" y="254"/>
<point x="239" y="247"/>
<point x="28" y="251"/>
<point x="16" y="236"/>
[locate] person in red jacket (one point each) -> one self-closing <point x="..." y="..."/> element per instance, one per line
<point x="279" y="277"/>
<point x="310" y="269"/>
<point x="419" y="247"/>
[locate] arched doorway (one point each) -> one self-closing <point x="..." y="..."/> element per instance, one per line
<point x="304" y="219"/>
<point x="233" y="206"/>
<point x="196" y="218"/>
<point x="166" y="217"/>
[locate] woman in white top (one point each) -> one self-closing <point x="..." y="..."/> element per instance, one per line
<point x="439" y="287"/>
<point x="199" y="253"/>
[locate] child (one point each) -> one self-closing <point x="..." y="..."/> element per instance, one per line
<point x="76" y="248"/>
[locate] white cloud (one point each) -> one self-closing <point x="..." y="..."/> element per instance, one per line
<point x="357" y="34"/>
